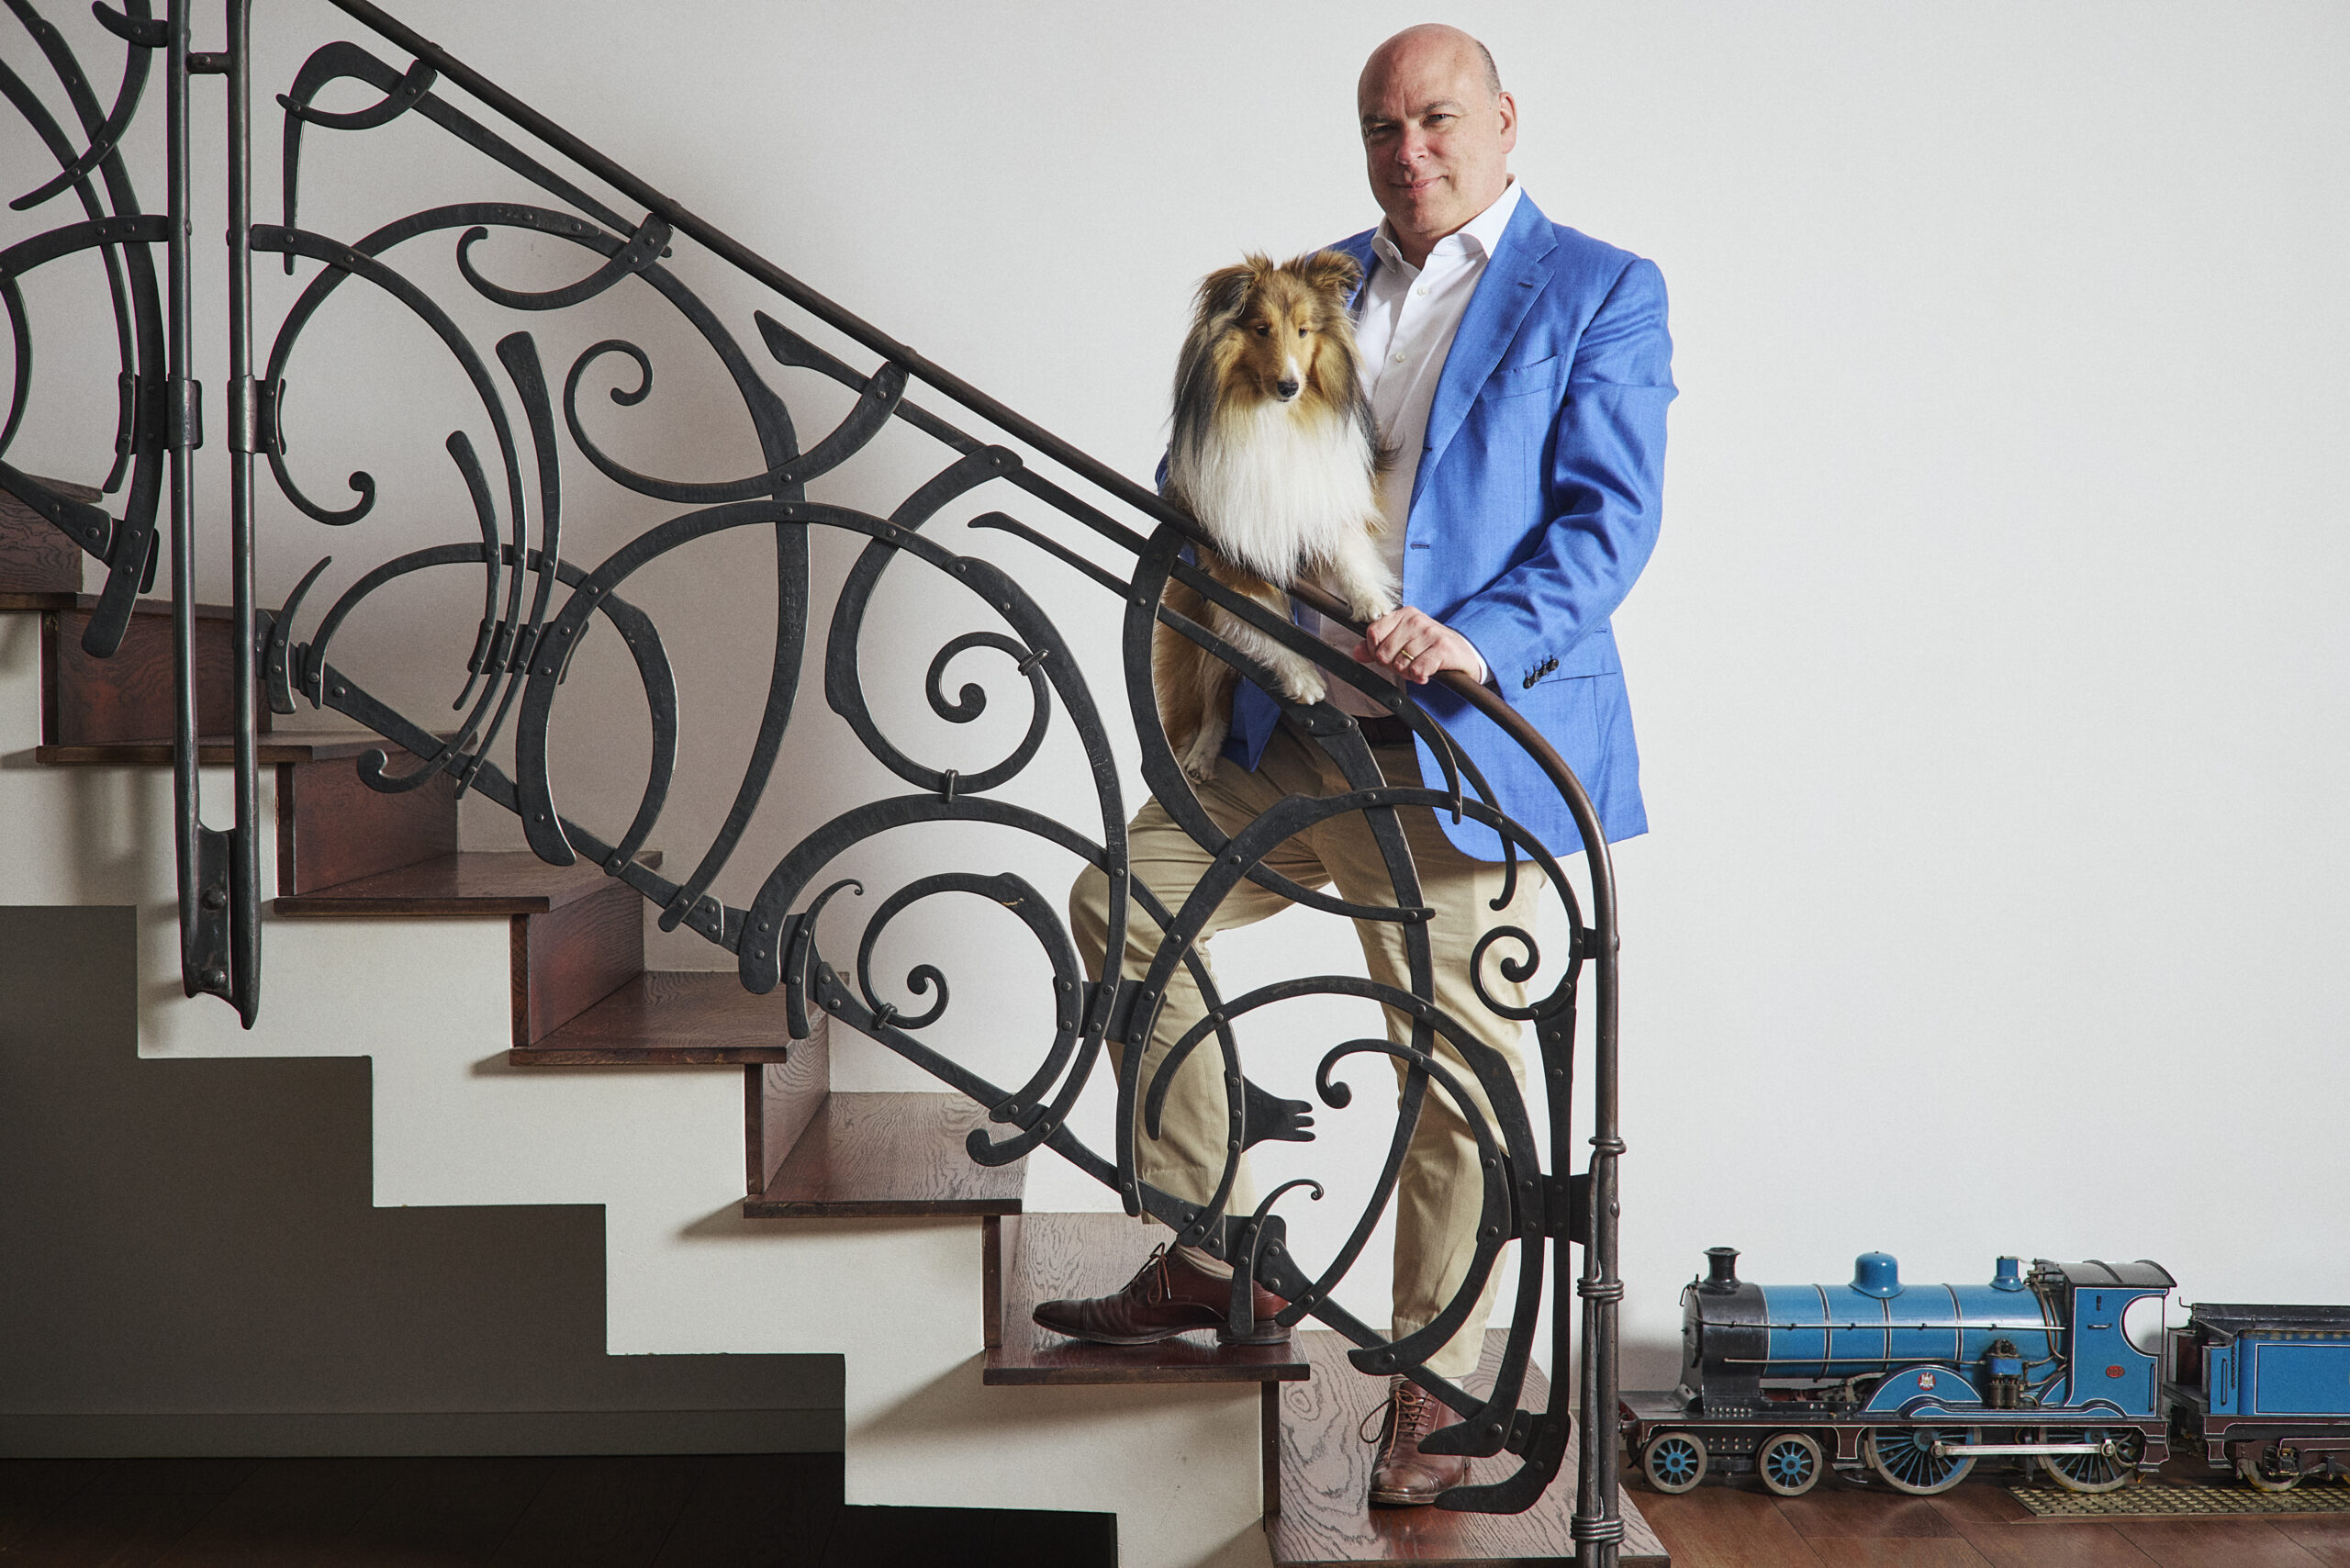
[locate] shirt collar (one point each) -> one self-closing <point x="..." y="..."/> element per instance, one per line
<point x="1481" y="236"/>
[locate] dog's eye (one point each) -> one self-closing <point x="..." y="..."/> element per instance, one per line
<point x="1300" y="331"/>
<point x="1263" y="331"/>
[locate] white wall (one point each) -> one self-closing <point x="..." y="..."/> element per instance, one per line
<point x="1990" y="674"/>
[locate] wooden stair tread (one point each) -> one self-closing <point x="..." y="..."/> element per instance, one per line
<point x="1326" y="1517"/>
<point x="469" y="882"/>
<point x="871" y="1155"/>
<point x="687" y="1017"/>
<point x="1050" y="1256"/>
<point x="275" y="748"/>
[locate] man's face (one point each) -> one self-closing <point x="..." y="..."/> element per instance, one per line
<point x="1436" y="137"/>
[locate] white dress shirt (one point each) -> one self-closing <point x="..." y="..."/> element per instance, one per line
<point x="1405" y="317"/>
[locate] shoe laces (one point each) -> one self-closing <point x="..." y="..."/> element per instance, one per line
<point x="1409" y="1404"/>
<point x="1154" y="1268"/>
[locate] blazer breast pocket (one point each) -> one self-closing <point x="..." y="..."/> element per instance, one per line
<point x="1524" y="380"/>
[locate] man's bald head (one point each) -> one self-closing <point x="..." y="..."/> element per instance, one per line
<point x="1436" y="133"/>
<point x="1437" y="36"/>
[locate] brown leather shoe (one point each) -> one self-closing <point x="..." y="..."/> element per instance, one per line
<point x="1403" y="1477"/>
<point x="1167" y="1298"/>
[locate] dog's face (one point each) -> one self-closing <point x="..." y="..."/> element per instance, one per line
<point x="1276" y="334"/>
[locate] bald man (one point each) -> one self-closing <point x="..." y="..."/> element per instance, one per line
<point x="1520" y="371"/>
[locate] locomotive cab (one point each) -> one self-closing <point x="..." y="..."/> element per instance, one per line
<point x="2113" y="1358"/>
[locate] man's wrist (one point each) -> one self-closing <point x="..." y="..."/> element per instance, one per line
<point x="1480" y="671"/>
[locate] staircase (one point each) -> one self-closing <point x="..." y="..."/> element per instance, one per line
<point x="517" y="1049"/>
<point x="541" y="1063"/>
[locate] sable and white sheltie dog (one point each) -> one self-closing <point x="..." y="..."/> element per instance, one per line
<point x="1274" y="451"/>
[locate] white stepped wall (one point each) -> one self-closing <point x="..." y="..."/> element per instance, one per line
<point x="661" y="1149"/>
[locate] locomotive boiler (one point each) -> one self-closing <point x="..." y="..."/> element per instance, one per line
<point x="2059" y="1367"/>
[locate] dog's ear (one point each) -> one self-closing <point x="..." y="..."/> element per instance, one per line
<point x="1225" y="290"/>
<point x="1332" y="274"/>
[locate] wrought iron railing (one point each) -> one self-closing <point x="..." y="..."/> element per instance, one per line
<point x="538" y="602"/>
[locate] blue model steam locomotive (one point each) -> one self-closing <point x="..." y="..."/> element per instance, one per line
<point x="2067" y="1368"/>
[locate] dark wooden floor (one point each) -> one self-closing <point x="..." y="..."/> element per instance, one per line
<point x="720" y="1511"/>
<point x="1974" y="1524"/>
<point x="688" y="1511"/>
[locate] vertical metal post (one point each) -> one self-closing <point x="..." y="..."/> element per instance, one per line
<point x="200" y="958"/>
<point x="244" y="875"/>
<point x="218" y="872"/>
<point x="1598" y="1525"/>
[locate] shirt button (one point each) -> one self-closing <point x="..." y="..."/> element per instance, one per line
<point x="1398" y="360"/>
<point x="1422" y="289"/>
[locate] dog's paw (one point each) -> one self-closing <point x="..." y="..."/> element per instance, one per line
<point x="1304" y="686"/>
<point x="1370" y="606"/>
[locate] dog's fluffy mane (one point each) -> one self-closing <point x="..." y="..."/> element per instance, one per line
<point x="1277" y="483"/>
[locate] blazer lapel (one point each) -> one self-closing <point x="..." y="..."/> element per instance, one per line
<point x="1358" y="247"/>
<point x="1512" y="280"/>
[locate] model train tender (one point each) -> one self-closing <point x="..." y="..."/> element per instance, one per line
<point x="2067" y="1368"/>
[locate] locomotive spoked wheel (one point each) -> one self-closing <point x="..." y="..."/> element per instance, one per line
<point x="1789" y="1464"/>
<point x="1674" y="1461"/>
<point x="2265" y="1467"/>
<point x="1904" y="1458"/>
<point x="2093" y="1471"/>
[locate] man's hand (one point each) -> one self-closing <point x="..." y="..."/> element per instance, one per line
<point x="1411" y="646"/>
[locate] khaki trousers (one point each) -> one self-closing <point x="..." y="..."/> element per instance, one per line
<point x="1439" y="1190"/>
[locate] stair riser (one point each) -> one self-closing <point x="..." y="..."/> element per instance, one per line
<point x="128" y="697"/>
<point x="779" y="1098"/>
<point x="568" y="959"/>
<point x="34" y="556"/>
<point x="332" y="828"/>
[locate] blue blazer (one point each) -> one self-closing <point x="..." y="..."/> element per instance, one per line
<point x="1535" y="507"/>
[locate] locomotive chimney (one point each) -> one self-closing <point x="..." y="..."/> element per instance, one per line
<point x="1721" y="1270"/>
